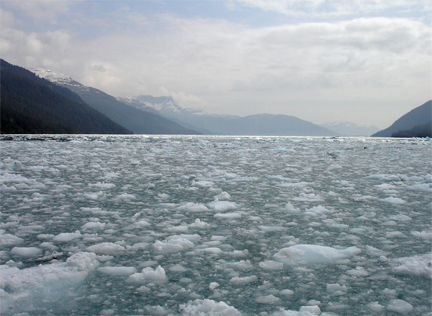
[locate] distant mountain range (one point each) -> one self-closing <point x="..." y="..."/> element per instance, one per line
<point x="259" y="124"/>
<point x="136" y="120"/>
<point x="59" y="104"/>
<point x="418" y="119"/>
<point x="32" y="105"/>
<point x="351" y="129"/>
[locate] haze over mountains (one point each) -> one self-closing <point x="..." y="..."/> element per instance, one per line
<point x="259" y="124"/>
<point x="141" y="115"/>
<point x="31" y="104"/>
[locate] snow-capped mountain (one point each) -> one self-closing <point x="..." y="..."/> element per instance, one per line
<point x="351" y="129"/>
<point x="137" y="120"/>
<point x="56" y="77"/>
<point x="164" y="105"/>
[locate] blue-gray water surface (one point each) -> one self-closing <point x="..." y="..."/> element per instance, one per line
<point x="196" y="225"/>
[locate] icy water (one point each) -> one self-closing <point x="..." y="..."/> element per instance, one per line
<point x="140" y="225"/>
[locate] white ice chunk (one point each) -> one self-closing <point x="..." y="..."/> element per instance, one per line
<point x="267" y="299"/>
<point x="193" y="207"/>
<point x="148" y="274"/>
<point x="125" y="196"/>
<point x="105" y="248"/>
<point x="93" y="226"/>
<point x="42" y="285"/>
<point x="375" y="307"/>
<point x="298" y="254"/>
<point x="314" y="310"/>
<point x="417" y="265"/>
<point x="399" y="306"/>
<point x="26" y="252"/>
<point x="66" y="237"/>
<point x="243" y="280"/>
<point x="117" y="271"/>
<point x="336" y="289"/>
<point x="393" y="200"/>
<point x="228" y="215"/>
<point x="9" y="240"/>
<point x="198" y="224"/>
<point x="271" y="265"/>
<point x="222" y="206"/>
<point x="208" y="307"/>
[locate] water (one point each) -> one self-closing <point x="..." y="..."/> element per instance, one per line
<point x="159" y="225"/>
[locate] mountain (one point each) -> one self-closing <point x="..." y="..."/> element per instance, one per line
<point x="31" y="105"/>
<point x="351" y="129"/>
<point x="422" y="130"/>
<point x="136" y="120"/>
<point x="259" y="124"/>
<point x="417" y="116"/>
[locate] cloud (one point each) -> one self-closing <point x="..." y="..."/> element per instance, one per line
<point x="227" y="67"/>
<point x="40" y="10"/>
<point x="332" y="8"/>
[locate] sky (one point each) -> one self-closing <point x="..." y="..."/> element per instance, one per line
<point x="362" y="61"/>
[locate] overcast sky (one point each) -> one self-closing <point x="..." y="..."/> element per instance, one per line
<point x="364" y="61"/>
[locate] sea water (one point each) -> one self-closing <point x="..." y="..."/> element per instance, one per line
<point x="197" y="225"/>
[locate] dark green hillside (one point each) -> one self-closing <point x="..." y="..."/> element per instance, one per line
<point x="422" y="130"/>
<point x="31" y="105"/>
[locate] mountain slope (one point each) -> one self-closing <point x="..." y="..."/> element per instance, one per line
<point x="417" y="116"/>
<point x="260" y="124"/>
<point x="138" y="121"/>
<point x="31" y="105"/>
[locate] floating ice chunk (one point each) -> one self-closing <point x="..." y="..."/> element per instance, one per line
<point x="423" y="234"/>
<point x="401" y="218"/>
<point x="125" y="196"/>
<point x="26" y="252"/>
<point x="286" y="292"/>
<point x="177" y="268"/>
<point x="166" y="248"/>
<point x="148" y="274"/>
<point x="193" y="207"/>
<point x="102" y="185"/>
<point x="198" y="224"/>
<point x="314" y="254"/>
<point x="291" y="209"/>
<point x="417" y="265"/>
<point x="66" y="237"/>
<point x="175" y="244"/>
<point x="271" y="228"/>
<point x="267" y="299"/>
<point x="375" y="307"/>
<point x="425" y="187"/>
<point x="336" y="289"/>
<point x="308" y="197"/>
<point x="213" y="286"/>
<point x="9" y="240"/>
<point x="399" y="306"/>
<point x="5" y="188"/>
<point x="314" y="310"/>
<point x="228" y="215"/>
<point x="244" y="280"/>
<point x="271" y="265"/>
<point x="393" y="200"/>
<point x="177" y="229"/>
<point x="223" y="196"/>
<point x="23" y="290"/>
<point x="141" y="223"/>
<point x="117" y="271"/>
<point x="222" y="206"/>
<point x="383" y="177"/>
<point x="105" y="248"/>
<point x="202" y="183"/>
<point x="241" y="265"/>
<point x="358" y="272"/>
<point x="208" y="307"/>
<point x="93" y="226"/>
